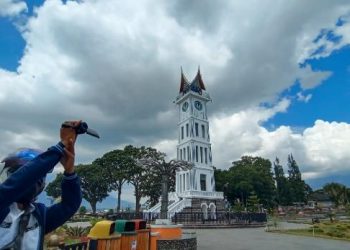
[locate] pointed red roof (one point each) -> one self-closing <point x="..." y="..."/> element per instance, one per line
<point x="183" y="82"/>
<point x="199" y="79"/>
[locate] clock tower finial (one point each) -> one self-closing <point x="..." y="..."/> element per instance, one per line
<point x="183" y="82"/>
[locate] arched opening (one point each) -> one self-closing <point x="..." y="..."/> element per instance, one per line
<point x="204" y="208"/>
<point x="212" y="209"/>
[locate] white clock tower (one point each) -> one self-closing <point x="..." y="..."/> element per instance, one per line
<point x="195" y="188"/>
<point x="194" y="141"/>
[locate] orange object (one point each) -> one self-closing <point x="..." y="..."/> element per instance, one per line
<point x="112" y="243"/>
<point x="115" y="244"/>
<point x="139" y="224"/>
<point x="129" y="241"/>
<point x="167" y="231"/>
<point x="153" y="241"/>
<point x="143" y="239"/>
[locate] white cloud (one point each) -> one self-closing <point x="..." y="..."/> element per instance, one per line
<point x="304" y="98"/>
<point x="11" y="8"/>
<point x="168" y="147"/>
<point x="319" y="150"/>
<point x="116" y="65"/>
<point x="310" y="79"/>
<point x="324" y="46"/>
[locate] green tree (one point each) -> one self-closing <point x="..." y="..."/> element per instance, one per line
<point x="53" y="189"/>
<point x="82" y="210"/>
<point x="156" y="164"/>
<point x="282" y="185"/>
<point x="152" y="187"/>
<point x="253" y="174"/>
<point x="337" y="192"/>
<point x="243" y="189"/>
<point x="299" y="190"/>
<point x="249" y="174"/>
<point x="253" y="202"/>
<point x="223" y="183"/>
<point x="93" y="186"/>
<point x="137" y="173"/>
<point x="115" y="165"/>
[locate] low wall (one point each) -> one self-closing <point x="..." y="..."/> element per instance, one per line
<point x="186" y="242"/>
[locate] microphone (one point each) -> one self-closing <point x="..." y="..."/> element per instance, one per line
<point x="82" y="128"/>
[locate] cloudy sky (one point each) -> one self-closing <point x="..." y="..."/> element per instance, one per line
<point x="278" y="73"/>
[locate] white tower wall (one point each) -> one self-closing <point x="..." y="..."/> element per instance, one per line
<point x="194" y="142"/>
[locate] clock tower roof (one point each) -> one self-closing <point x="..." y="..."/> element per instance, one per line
<point x="197" y="85"/>
<point x="184" y="84"/>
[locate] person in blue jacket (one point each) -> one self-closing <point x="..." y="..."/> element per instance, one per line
<point x="23" y="222"/>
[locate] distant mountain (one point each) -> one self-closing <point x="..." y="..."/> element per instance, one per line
<point x="318" y="183"/>
<point x="107" y="203"/>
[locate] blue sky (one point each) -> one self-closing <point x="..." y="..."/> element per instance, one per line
<point x="11" y="41"/>
<point x="12" y="45"/>
<point x="329" y="100"/>
<point x="117" y="65"/>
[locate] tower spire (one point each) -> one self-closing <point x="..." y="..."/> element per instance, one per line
<point x="183" y="82"/>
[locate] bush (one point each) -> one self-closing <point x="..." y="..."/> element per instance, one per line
<point x="341" y="227"/>
<point x="333" y="232"/>
<point x="316" y="230"/>
<point x="82" y="210"/>
<point x="93" y="221"/>
<point x="77" y="231"/>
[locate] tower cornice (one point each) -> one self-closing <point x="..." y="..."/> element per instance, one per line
<point x="204" y="96"/>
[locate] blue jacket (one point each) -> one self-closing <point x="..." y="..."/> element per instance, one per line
<point x="49" y="218"/>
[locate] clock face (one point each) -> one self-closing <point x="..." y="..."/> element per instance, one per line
<point x="185" y="107"/>
<point x="198" y="105"/>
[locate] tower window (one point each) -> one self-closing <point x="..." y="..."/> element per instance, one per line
<point x="187" y="128"/>
<point x="206" y="155"/>
<point x="182" y="132"/>
<point x="203" y="131"/>
<point x="196" y="128"/>
<point x="196" y="153"/>
<point x="188" y="153"/>
<point x="180" y="154"/>
<point x="201" y="153"/>
<point x="203" y="181"/>
<point x="185" y="154"/>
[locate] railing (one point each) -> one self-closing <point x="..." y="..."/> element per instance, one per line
<point x="218" y="218"/>
<point x="178" y="207"/>
<point x="155" y="208"/>
<point x="75" y="246"/>
<point x="126" y="216"/>
<point x="173" y="196"/>
<point x="202" y="194"/>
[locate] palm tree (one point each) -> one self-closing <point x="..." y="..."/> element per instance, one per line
<point x="155" y="161"/>
<point x="337" y="192"/>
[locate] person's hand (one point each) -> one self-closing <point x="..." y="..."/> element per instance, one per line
<point x="68" y="138"/>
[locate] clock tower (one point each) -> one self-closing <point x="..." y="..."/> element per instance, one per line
<point x="194" y="141"/>
<point x="195" y="188"/>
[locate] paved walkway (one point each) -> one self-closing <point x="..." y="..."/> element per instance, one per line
<point x="257" y="238"/>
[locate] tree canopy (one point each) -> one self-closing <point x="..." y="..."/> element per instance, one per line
<point x="247" y="175"/>
<point x="93" y="188"/>
<point x="165" y="170"/>
<point x="116" y="166"/>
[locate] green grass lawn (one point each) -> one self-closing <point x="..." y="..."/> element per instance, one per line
<point x="335" y="230"/>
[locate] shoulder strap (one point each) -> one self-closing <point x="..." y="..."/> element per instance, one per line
<point x="23" y="223"/>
